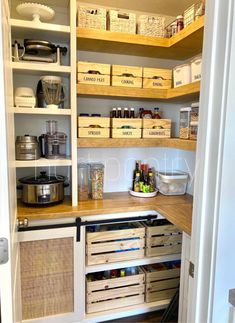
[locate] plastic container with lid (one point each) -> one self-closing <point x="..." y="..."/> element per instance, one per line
<point x="97" y="180"/>
<point x="83" y="185"/>
<point x="172" y="182"/>
<point x="185" y="118"/>
<point x="196" y="68"/>
<point x="182" y="75"/>
<point x="193" y="130"/>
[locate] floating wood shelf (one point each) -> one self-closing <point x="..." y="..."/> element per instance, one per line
<point x="184" y="44"/>
<point x="125" y="143"/>
<point x="189" y="91"/>
<point x="46" y="111"/>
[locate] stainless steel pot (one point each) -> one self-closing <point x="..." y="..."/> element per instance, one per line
<point x="42" y="190"/>
<point x="27" y="148"/>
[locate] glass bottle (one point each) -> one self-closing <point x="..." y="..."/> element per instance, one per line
<point x="119" y="112"/>
<point x="113" y="113"/>
<point x="180" y="23"/>
<point x="83" y="189"/>
<point x="157" y="114"/>
<point x="136" y="184"/>
<point x="132" y="113"/>
<point x="126" y="113"/>
<point x="173" y="28"/>
<point x="151" y="181"/>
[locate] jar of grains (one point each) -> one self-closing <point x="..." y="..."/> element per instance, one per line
<point x="97" y="180"/>
<point x="83" y="189"/>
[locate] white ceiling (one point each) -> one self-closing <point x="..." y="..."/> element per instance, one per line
<point x="164" y="7"/>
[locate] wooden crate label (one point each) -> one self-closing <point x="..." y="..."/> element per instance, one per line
<point x="93" y="79"/>
<point x="126" y="133"/>
<point x="156" y="133"/>
<point x="127" y="81"/>
<point x="93" y="132"/>
<point x="157" y="78"/>
<point x="156" y="84"/>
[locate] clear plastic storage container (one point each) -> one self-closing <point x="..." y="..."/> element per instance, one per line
<point x="83" y="188"/>
<point x="172" y="182"/>
<point x="97" y="180"/>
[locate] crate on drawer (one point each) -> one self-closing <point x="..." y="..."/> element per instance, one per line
<point x="107" y="294"/>
<point x="93" y="73"/>
<point x="121" y="21"/>
<point x="91" y="17"/>
<point x="157" y="78"/>
<point x="93" y="127"/>
<point x="161" y="280"/>
<point x="162" y="238"/>
<point x="156" y="128"/>
<point x="116" y="242"/>
<point x="126" y="128"/>
<point x="128" y="76"/>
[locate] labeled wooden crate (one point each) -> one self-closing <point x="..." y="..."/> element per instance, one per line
<point x="115" y="243"/>
<point x="156" y="128"/>
<point x="114" y="293"/>
<point x="92" y="17"/>
<point x="153" y="26"/>
<point x="134" y="130"/>
<point x="162" y="240"/>
<point x="162" y="283"/>
<point x="93" y="73"/>
<point x="93" y="127"/>
<point x="128" y="76"/>
<point x="157" y="78"/>
<point x="121" y="21"/>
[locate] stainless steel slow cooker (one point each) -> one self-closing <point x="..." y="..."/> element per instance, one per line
<point x="43" y="189"/>
<point x="27" y="148"/>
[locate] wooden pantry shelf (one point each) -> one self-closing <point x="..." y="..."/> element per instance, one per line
<point x="46" y="111"/>
<point x="187" y="43"/>
<point x="125" y="143"/>
<point x="184" y="92"/>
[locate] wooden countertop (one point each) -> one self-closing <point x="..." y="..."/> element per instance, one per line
<point x="177" y="209"/>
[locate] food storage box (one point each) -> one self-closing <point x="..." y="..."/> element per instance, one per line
<point x="193" y="130"/>
<point x="162" y="280"/>
<point x="189" y="14"/>
<point x="115" y="242"/>
<point x="96" y="180"/>
<point x="196" y="68"/>
<point x="93" y="127"/>
<point x="194" y="111"/>
<point x="157" y="78"/>
<point x="121" y="21"/>
<point x="129" y="76"/>
<point x="126" y="128"/>
<point x="181" y="75"/>
<point x="172" y="182"/>
<point x="185" y="118"/>
<point x="162" y="238"/>
<point x="151" y="26"/>
<point x="156" y="128"/>
<point x="93" y="73"/>
<point x="106" y="294"/>
<point x="91" y="17"/>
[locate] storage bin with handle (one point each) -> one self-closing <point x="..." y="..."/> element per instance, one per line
<point x="196" y="68"/>
<point x="172" y="182"/>
<point x="181" y="75"/>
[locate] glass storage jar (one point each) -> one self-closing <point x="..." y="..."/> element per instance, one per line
<point x="83" y="188"/>
<point x="97" y="180"/>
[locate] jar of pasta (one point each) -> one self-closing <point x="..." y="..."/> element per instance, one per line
<point x="97" y="180"/>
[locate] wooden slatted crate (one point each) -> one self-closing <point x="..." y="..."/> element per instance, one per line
<point x="156" y="128"/>
<point x="115" y="292"/>
<point x="162" y="239"/>
<point x="93" y="127"/>
<point x="161" y="282"/>
<point x="119" y="244"/>
<point x="93" y="73"/>
<point x="129" y="76"/>
<point x="157" y="78"/>
<point x="133" y="132"/>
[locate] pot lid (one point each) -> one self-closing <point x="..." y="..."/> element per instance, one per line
<point x="43" y="178"/>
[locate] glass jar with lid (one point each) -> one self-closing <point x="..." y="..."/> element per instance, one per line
<point x="83" y="188"/>
<point x="180" y="23"/>
<point x="97" y="180"/>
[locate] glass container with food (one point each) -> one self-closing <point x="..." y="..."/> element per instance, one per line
<point x="83" y="188"/>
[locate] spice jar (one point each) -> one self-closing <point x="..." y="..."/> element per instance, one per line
<point x="97" y="181"/>
<point x="180" y="23"/>
<point x="83" y="189"/>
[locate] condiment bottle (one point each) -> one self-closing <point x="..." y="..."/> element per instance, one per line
<point x="174" y="28"/>
<point x="119" y="112"/>
<point x="147" y="114"/>
<point x="136" y="184"/>
<point x="132" y="113"/>
<point x="156" y="114"/>
<point x="180" y="23"/>
<point x="140" y="112"/>
<point x="126" y="113"/>
<point x="150" y="181"/>
<point x="113" y="113"/>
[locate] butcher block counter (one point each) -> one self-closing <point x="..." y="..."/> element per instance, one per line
<point x="177" y="209"/>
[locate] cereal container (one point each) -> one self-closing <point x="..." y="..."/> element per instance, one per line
<point x="97" y="181"/>
<point x="83" y="189"/>
<point x="185" y="116"/>
<point x="193" y="130"/>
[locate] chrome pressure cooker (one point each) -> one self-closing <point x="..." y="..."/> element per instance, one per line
<point x="27" y="148"/>
<point x="43" y="189"/>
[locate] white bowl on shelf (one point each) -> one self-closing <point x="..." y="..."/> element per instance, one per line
<point x="141" y="194"/>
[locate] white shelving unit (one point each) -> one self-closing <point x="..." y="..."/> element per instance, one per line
<point x="38" y="68"/>
<point x="43" y="162"/>
<point x="62" y="112"/>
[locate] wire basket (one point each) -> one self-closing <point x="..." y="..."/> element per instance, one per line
<point x="90" y="17"/>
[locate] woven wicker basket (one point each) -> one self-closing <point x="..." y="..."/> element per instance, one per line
<point x="90" y="17"/>
<point x="121" y="21"/>
<point x="151" y="26"/>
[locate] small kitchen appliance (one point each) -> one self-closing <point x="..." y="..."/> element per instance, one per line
<point x="24" y="97"/>
<point x="53" y="143"/>
<point x="51" y="86"/>
<point x="43" y="189"/>
<point x="41" y="103"/>
<point x="27" y="148"/>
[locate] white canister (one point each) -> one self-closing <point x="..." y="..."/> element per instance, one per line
<point x="196" y="68"/>
<point x="182" y="75"/>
